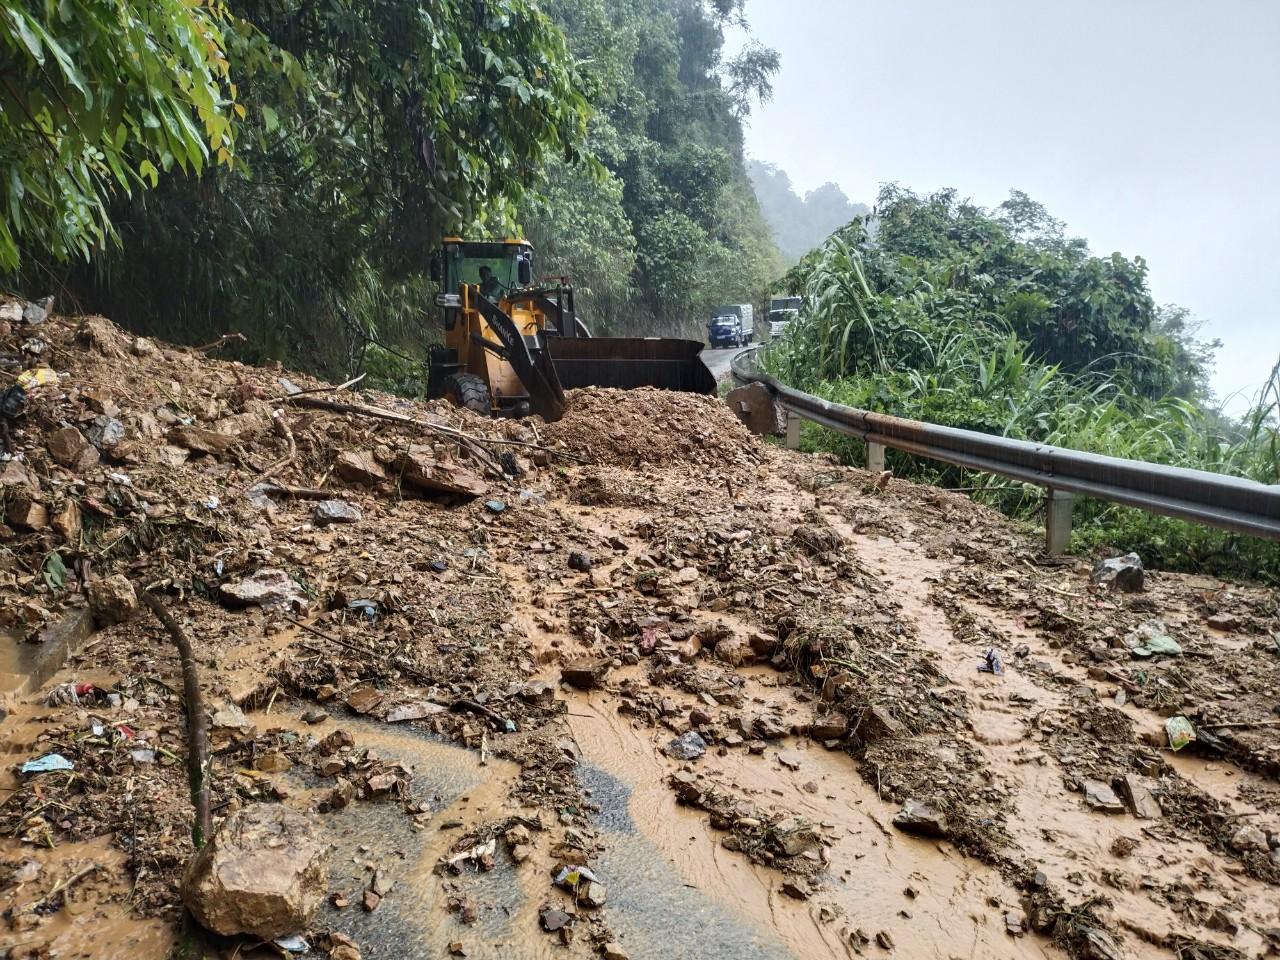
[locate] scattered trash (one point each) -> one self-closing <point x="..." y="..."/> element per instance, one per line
<point x="49" y="763"/>
<point x="1152" y="639"/>
<point x="495" y="506"/>
<point x="37" y="377"/>
<point x="1180" y="732"/>
<point x="294" y="944"/>
<point x="992" y="663"/>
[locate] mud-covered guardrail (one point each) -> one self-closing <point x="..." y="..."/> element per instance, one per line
<point x="1210" y="498"/>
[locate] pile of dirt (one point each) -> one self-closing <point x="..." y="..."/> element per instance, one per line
<point x="632" y="428"/>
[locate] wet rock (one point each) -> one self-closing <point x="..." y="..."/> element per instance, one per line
<point x="763" y="645"/>
<point x="112" y="600"/>
<point x="614" y="951"/>
<point x="1015" y="922"/>
<point x="553" y="919"/>
<point x="830" y="727"/>
<point x="1101" y="797"/>
<point x="592" y="894"/>
<point x="1249" y="839"/>
<point x="1226" y="622"/>
<point x="419" y="468"/>
<point x="689" y="746"/>
<point x="359" y="466"/>
<point x="795" y="890"/>
<point x="753" y="404"/>
<point x="365" y="699"/>
<point x="414" y="710"/>
<point x="1138" y="798"/>
<point x="1120" y="573"/>
<point x="585" y="673"/>
<point x="793" y="836"/>
<point x="336" y="511"/>
<point x="579" y="561"/>
<point x="921" y="820"/>
<point x="69" y="447"/>
<point x="877" y="723"/>
<point x="269" y="588"/>
<point x="732" y="651"/>
<point x="789" y="759"/>
<point x="263" y="873"/>
<point x="816" y="540"/>
<point x="1096" y="945"/>
<point x="105" y="433"/>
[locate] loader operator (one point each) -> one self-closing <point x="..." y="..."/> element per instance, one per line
<point x="489" y="285"/>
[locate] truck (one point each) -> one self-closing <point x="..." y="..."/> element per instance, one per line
<point x="782" y="310"/>
<point x="731" y="325"/>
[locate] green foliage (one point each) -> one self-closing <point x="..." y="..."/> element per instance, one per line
<point x="925" y="314"/>
<point x="98" y="99"/>
<point x="670" y="226"/>
<point x="370" y="129"/>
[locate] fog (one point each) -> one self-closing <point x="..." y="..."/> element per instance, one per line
<point x="1151" y="127"/>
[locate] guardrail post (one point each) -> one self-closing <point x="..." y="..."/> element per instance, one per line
<point x="793" y="431"/>
<point x="1057" y="521"/>
<point x="875" y="457"/>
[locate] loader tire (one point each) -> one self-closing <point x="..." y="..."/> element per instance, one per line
<point x="468" y="390"/>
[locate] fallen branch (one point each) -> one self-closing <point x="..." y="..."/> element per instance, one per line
<point x="197" y="730"/>
<point x="326" y="389"/>
<point x="1241" y="724"/>
<point x="281" y="427"/>
<point x="356" y="648"/>
<point x="225" y="338"/>
<point x="378" y="413"/>
<point x="296" y="493"/>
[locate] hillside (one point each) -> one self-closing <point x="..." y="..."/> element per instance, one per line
<point x="799" y="224"/>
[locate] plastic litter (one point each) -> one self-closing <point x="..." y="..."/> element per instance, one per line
<point x="37" y="377"/>
<point x="1180" y="731"/>
<point x="992" y="663"/>
<point x="294" y="944"/>
<point x="570" y="877"/>
<point x="494" y="506"/>
<point x="1152" y="639"/>
<point x="49" y="763"/>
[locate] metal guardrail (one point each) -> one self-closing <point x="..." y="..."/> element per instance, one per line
<point x="1231" y="503"/>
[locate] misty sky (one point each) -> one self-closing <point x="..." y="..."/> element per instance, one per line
<point x="1151" y="127"/>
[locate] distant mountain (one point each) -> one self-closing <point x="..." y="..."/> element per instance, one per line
<point x="800" y="224"/>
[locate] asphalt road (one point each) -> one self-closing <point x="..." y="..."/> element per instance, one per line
<point x="717" y="361"/>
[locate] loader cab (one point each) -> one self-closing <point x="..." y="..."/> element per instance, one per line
<point x="509" y="262"/>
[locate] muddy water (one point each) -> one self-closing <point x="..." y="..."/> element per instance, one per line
<point x="949" y="912"/>
<point x="1051" y="826"/>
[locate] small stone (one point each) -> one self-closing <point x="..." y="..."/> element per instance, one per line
<point x="585" y="673"/>
<point x="1120" y="573"/>
<point x="593" y="894"/>
<point x="1101" y="797"/>
<point x="1249" y="839"/>
<point x="370" y="901"/>
<point x="314" y="716"/>
<point x="579" y="561"/>
<point x="359" y="466"/>
<point x="336" y="511"/>
<point x="921" y="820"/>
<point x="830" y="727"/>
<point x="789" y="759"/>
<point x="1225" y="622"/>
<point x="884" y="941"/>
<point x="269" y="588"/>
<point x="794" y="890"/>
<point x="1015" y="922"/>
<point x="553" y="919"/>
<point x="614" y="951"/>
<point x="112" y="600"/>
<point x="456" y="949"/>
<point x="689" y="746"/>
<point x="877" y="723"/>
<point x="273" y="761"/>
<point x="1140" y="800"/>
<point x="69" y="447"/>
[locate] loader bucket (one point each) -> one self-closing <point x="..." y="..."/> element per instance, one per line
<point x="629" y="362"/>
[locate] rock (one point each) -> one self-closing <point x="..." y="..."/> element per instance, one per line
<point x="877" y="723"/>
<point x="1096" y="945"/>
<point x="585" y="673"/>
<point x="789" y="759"/>
<point x="69" y="522"/>
<point x="418" y="467"/>
<point x="336" y="511"/>
<point x="1226" y="622"/>
<point x="921" y="820"/>
<point x="553" y="919"/>
<point x="614" y="951"/>
<point x="263" y="873"/>
<point x="415" y="710"/>
<point x="689" y="746"/>
<point x="38" y="312"/>
<point x="269" y="588"/>
<point x="69" y="447"/>
<point x="1249" y="839"/>
<point x="884" y="941"/>
<point x="200" y="440"/>
<point x="1015" y="922"/>
<point x="370" y="901"/>
<point x="794" y="890"/>
<point x="105" y="433"/>
<point x="142" y="347"/>
<point x="579" y="561"/>
<point x="1140" y="800"/>
<point x="763" y="645"/>
<point x="112" y="600"/>
<point x="167" y="455"/>
<point x="359" y="466"/>
<point x="592" y="894"/>
<point x="14" y="474"/>
<point x="273" y="761"/>
<point x="365" y="699"/>
<point x="793" y="836"/>
<point x="1101" y="797"/>
<point x="753" y="404"/>
<point x="25" y="511"/>
<point x="457" y="949"/>
<point x="1120" y="573"/>
<point x="733" y="651"/>
<point x="830" y="727"/>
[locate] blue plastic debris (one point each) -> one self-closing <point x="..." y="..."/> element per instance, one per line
<point x="49" y="763"/>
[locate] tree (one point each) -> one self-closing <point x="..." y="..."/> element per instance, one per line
<point x="98" y="99"/>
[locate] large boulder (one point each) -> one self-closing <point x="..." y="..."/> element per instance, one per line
<point x="263" y="874"/>
<point x="112" y="600"/>
<point x="269" y="588"/>
<point x="753" y="404"/>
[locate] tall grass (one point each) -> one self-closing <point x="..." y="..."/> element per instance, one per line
<point x="927" y="355"/>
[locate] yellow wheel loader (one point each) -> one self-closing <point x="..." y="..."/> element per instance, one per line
<point x="512" y="346"/>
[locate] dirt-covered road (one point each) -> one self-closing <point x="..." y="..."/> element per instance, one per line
<point x="718" y="360"/>
<point x="773" y="706"/>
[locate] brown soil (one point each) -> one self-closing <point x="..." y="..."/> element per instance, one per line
<point x="820" y="634"/>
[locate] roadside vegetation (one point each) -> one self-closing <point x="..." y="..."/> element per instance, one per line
<point x="284" y="169"/>
<point x="994" y="320"/>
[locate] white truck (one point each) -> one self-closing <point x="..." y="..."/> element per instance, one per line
<point x="782" y="310"/>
